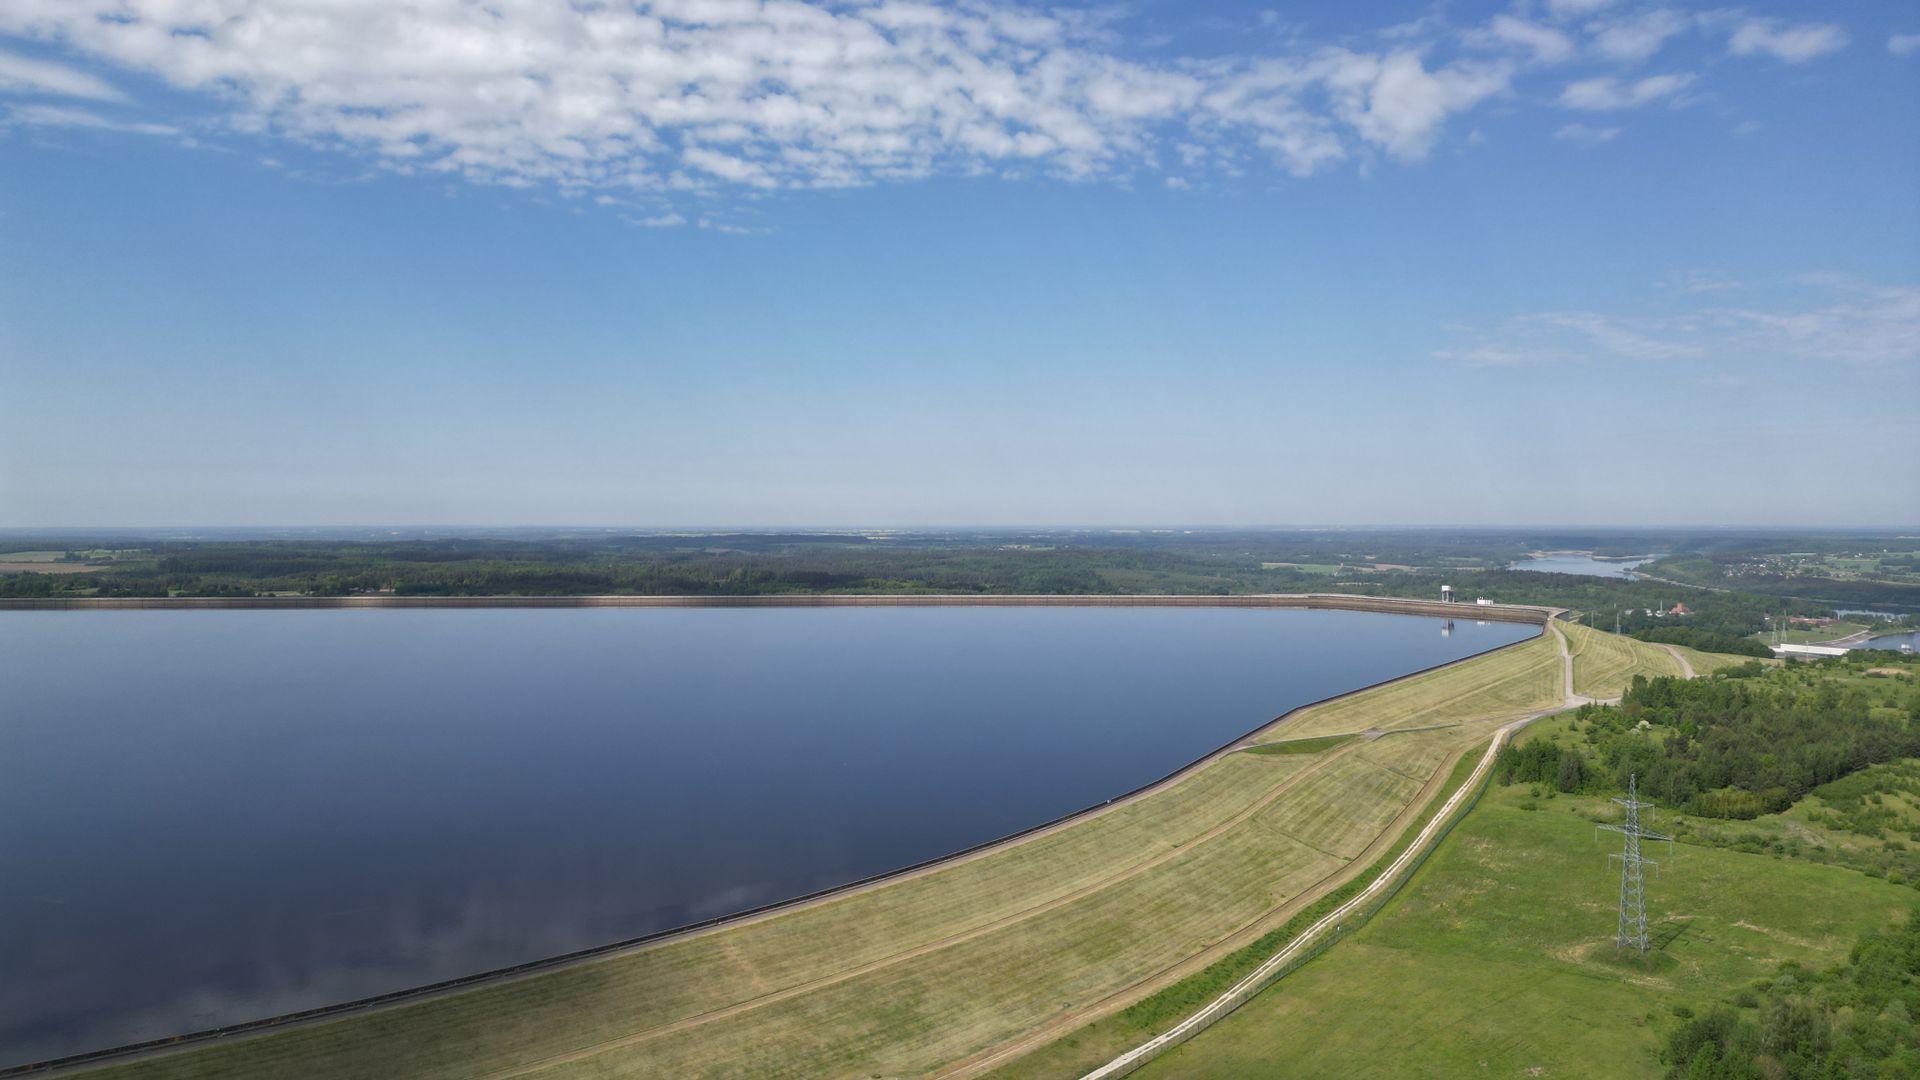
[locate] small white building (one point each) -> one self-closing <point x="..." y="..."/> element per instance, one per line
<point x="1808" y="650"/>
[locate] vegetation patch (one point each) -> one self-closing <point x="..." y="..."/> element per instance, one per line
<point x="1603" y="663"/>
<point x="1104" y="1039"/>
<point x="1851" y="1020"/>
<point x="1497" y="959"/>
<point x="1706" y="641"/>
<point x="1301" y="746"/>
<point x="1742" y="744"/>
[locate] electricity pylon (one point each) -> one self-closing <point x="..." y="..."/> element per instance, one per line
<point x="1633" y="884"/>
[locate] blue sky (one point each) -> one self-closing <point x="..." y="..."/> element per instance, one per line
<point x="708" y="263"/>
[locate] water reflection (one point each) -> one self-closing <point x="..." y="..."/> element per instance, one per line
<point x="207" y="817"/>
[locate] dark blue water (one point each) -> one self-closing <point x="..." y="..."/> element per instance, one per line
<point x="210" y="816"/>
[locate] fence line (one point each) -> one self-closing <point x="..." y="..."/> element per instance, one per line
<point x="1336" y="925"/>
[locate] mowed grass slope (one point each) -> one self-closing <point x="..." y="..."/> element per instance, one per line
<point x="917" y="975"/>
<point x="1497" y="958"/>
<point x="1512" y="682"/>
<point x="1706" y="663"/>
<point x="1603" y="663"/>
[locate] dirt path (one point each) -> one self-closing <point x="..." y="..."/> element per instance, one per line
<point x="1229" y="1000"/>
<point x="1249" y="985"/>
<point x="1686" y="669"/>
<point x="1067" y="1024"/>
<point x="1574" y="700"/>
<point x="1306" y="896"/>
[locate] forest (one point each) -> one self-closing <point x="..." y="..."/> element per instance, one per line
<point x="1412" y="562"/>
<point x="1747" y="742"/>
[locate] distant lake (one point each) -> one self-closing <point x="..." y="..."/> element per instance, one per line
<point x="1569" y="562"/>
<point x="1892" y="641"/>
<point x="211" y="816"/>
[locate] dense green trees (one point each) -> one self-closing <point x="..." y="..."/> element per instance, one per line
<point x="1705" y="640"/>
<point x="1856" y="1021"/>
<point x="1733" y="747"/>
<point x="1033" y="561"/>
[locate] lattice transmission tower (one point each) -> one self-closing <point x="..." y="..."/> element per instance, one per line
<point x="1633" y="882"/>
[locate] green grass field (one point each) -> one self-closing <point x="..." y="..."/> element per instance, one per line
<point x="47" y="556"/>
<point x="1868" y="821"/>
<point x="1104" y="1039"/>
<point x="1497" y="958"/>
<point x="1706" y="663"/>
<point x="946" y="968"/>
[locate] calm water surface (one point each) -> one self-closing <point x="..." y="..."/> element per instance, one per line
<point x="210" y="816"/>
<point x="1910" y="638"/>
<point x="1567" y="562"/>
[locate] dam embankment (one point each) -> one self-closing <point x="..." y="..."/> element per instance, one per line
<point x="1520" y="613"/>
<point x="1217" y="666"/>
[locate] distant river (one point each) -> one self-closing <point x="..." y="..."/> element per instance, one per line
<point x="1910" y="638"/>
<point x="211" y="816"/>
<point x="1570" y="562"/>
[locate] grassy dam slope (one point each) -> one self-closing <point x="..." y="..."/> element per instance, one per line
<point x="1497" y="958"/>
<point x="1605" y="663"/>
<point x="970" y="964"/>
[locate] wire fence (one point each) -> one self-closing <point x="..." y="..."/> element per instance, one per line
<point x="1322" y="939"/>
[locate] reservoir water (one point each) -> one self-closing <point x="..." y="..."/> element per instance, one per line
<point x="213" y="816"/>
<point x="1580" y="562"/>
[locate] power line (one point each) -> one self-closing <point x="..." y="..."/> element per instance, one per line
<point x="1633" y="883"/>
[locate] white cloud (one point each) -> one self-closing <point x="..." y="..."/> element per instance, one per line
<point x="1567" y="9"/>
<point x="1586" y="135"/>
<point x="1396" y="103"/>
<point x="1546" y="44"/>
<point x="1605" y="92"/>
<point x="1903" y="44"/>
<point x="1613" y="337"/>
<point x="1556" y="337"/>
<point x="1635" y="39"/>
<point x="70" y="117"/>
<point x="729" y="228"/>
<point x="680" y="95"/>
<point x="1867" y="325"/>
<point x="669" y="97"/>
<point x="1793" y="44"/>
<point x="658" y="221"/>
<point x="1845" y="322"/>
<point x="20" y="74"/>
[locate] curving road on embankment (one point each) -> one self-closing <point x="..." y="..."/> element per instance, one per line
<point x="711" y="998"/>
<point x="1382" y="886"/>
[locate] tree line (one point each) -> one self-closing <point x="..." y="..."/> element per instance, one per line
<point x="1739" y="745"/>
<point x="1854" y="1021"/>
